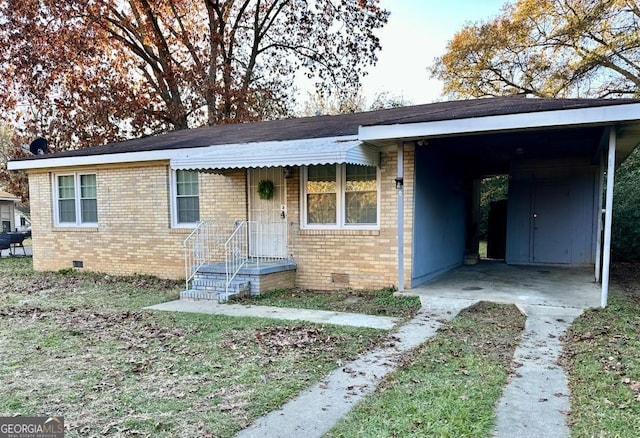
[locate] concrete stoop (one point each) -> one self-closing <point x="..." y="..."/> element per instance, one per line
<point x="252" y="279"/>
<point x="212" y="286"/>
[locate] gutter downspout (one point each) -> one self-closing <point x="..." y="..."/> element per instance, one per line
<point x="400" y="233"/>
<point x="606" y="253"/>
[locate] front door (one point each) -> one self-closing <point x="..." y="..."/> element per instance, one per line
<point x="551" y="222"/>
<point x="268" y="217"/>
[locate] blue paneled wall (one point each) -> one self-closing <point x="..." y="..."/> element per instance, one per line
<point x="439" y="216"/>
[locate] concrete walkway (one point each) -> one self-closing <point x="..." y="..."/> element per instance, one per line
<point x="536" y="400"/>
<point x="317" y="409"/>
<point x="289" y="314"/>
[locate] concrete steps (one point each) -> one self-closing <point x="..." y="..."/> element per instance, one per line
<point x="252" y="279"/>
<point x="212" y="286"/>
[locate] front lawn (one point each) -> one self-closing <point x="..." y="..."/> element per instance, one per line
<point x="79" y="345"/>
<point x="602" y="354"/>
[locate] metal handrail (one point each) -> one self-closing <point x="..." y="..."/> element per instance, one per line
<point x="199" y="247"/>
<point x="236" y="252"/>
<point x="256" y="242"/>
<point x="250" y="241"/>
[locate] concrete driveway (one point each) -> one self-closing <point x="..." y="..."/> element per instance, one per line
<point x="523" y="285"/>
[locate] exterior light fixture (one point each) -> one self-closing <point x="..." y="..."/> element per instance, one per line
<point x="399" y="182"/>
<point x="287" y="172"/>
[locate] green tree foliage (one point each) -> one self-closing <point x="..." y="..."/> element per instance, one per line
<point x="492" y="189"/>
<point x="625" y="238"/>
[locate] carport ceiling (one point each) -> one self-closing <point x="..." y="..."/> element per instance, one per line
<point x="492" y="153"/>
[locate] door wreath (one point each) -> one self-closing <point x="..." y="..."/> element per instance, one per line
<point x="265" y="189"/>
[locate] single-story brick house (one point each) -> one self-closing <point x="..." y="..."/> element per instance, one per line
<point x="362" y="200"/>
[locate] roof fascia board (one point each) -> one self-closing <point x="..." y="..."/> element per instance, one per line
<point x="507" y="122"/>
<point x="90" y="160"/>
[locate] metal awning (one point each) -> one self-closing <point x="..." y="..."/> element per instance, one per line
<point x="334" y="150"/>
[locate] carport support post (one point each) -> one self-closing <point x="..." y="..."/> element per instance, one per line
<point x="606" y="253"/>
<point x="400" y="189"/>
<point x="598" y="264"/>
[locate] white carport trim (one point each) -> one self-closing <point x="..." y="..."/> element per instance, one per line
<point x="608" y="217"/>
<point x="532" y="120"/>
<point x="330" y="150"/>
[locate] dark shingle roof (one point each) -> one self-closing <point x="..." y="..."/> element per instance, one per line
<point x="338" y="125"/>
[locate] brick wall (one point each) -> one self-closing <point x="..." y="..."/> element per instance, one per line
<point x="358" y="259"/>
<point x="135" y="235"/>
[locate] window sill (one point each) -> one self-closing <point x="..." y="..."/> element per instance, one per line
<point x="181" y="230"/>
<point x="338" y="232"/>
<point x="74" y="229"/>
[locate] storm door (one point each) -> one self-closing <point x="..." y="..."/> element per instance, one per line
<point x="267" y="214"/>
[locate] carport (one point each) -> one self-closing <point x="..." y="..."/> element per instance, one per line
<point x="558" y="155"/>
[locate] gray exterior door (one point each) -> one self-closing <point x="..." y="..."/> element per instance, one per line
<point x="551" y="222"/>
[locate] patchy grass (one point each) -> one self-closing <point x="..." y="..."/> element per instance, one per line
<point x="380" y="302"/>
<point x="602" y="354"/>
<point x="80" y="345"/>
<point x="447" y="387"/>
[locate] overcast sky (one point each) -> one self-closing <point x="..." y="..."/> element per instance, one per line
<point x="417" y="32"/>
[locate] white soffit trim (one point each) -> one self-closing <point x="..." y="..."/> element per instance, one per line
<point x="508" y="122"/>
<point x="331" y="150"/>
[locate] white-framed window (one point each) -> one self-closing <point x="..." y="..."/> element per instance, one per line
<point x="185" y="198"/>
<point x="75" y="200"/>
<point x="340" y="196"/>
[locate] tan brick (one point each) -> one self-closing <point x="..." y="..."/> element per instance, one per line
<point x="135" y="236"/>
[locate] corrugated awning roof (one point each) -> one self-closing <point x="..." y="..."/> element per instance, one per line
<point x="334" y="150"/>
